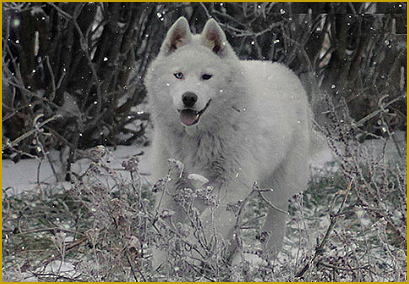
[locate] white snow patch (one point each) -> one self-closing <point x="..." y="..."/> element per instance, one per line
<point x="30" y="174"/>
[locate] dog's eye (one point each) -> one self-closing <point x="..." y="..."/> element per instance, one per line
<point x="178" y="75"/>
<point x="206" y="76"/>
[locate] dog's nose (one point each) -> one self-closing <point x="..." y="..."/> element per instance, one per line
<point x="189" y="99"/>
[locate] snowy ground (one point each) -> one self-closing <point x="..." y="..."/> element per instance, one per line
<point x="22" y="176"/>
<point x="30" y="175"/>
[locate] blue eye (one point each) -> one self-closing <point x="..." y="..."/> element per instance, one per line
<point x="206" y="76"/>
<point x="178" y="75"/>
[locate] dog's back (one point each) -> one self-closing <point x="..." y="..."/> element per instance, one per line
<point x="281" y="121"/>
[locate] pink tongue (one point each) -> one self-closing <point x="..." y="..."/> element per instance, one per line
<point x="188" y="116"/>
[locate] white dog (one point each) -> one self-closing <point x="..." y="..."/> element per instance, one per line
<point x="234" y="122"/>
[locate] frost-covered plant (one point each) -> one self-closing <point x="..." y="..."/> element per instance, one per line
<point x="192" y="253"/>
<point x="349" y="225"/>
<point x="117" y="210"/>
<point x="365" y="239"/>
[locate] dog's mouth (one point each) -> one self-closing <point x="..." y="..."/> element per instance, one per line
<point x="190" y="117"/>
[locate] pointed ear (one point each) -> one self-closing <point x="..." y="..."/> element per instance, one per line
<point x="178" y="35"/>
<point x="214" y="38"/>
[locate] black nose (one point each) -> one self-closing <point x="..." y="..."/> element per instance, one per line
<point x="189" y="99"/>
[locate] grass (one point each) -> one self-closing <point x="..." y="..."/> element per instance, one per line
<point x="349" y="225"/>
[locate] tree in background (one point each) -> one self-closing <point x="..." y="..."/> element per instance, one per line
<point x="76" y="66"/>
<point x="72" y="72"/>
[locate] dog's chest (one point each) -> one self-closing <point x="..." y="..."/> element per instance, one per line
<point x="203" y="154"/>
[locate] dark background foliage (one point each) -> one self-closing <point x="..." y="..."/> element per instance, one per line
<point x="72" y="72"/>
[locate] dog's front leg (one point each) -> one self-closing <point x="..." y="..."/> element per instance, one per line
<point x="220" y="221"/>
<point x="170" y="213"/>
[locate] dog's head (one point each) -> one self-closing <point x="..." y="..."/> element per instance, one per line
<point x="195" y="69"/>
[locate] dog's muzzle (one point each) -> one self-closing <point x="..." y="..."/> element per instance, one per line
<point x="190" y="116"/>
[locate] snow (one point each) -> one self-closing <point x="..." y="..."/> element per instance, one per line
<point x="25" y="175"/>
<point x="31" y="175"/>
<point x="22" y="176"/>
<point x="56" y="267"/>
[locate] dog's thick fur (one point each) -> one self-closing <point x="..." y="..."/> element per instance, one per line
<point x="255" y="126"/>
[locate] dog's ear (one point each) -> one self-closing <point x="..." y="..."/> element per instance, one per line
<point x="214" y="38"/>
<point x="178" y="35"/>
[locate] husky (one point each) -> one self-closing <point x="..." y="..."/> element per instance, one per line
<point x="232" y="121"/>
